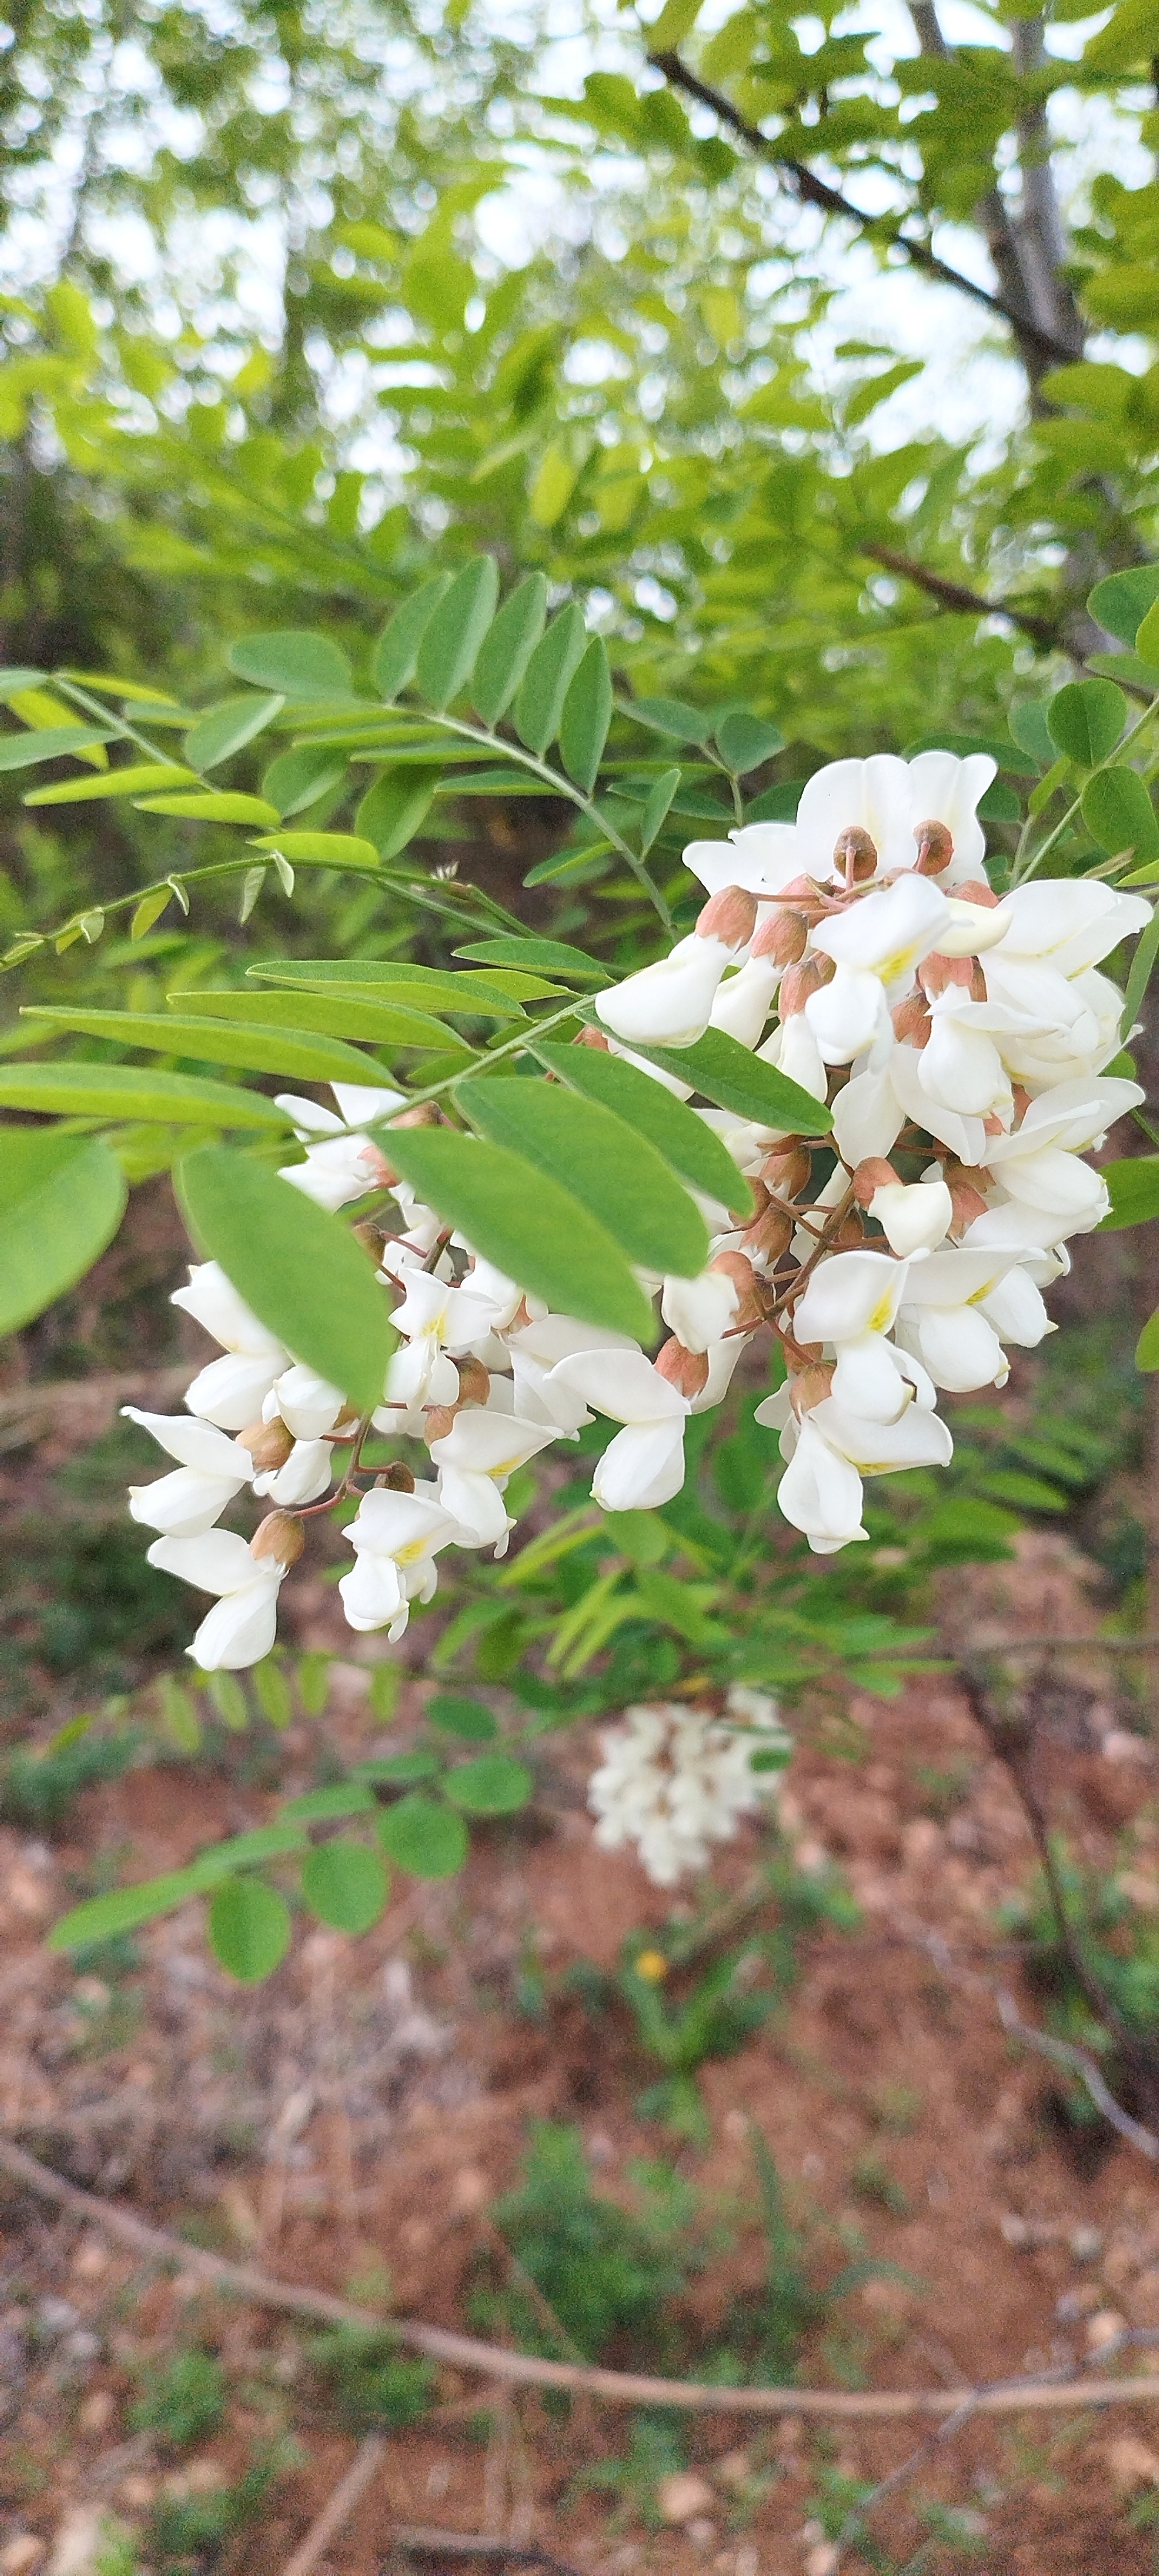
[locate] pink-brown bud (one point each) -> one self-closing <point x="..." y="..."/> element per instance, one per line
<point x="782" y="936"/>
<point x="811" y="1387"/>
<point x="737" y="1267"/>
<point x="872" y="1175"/>
<point x="935" y="848"/>
<point x="849" y="1235"/>
<point x="437" y="1421"/>
<point x="788" y="1170"/>
<point x="769" y="1235"/>
<point x="936" y="973"/>
<point x="993" y="1125"/>
<point x="976" y="890"/>
<point x="280" y="1537"/>
<point x="684" y="1369"/>
<point x="855" y="854"/>
<point x="396" y="1479"/>
<point x="965" y="1196"/>
<point x="799" y="983"/>
<point x="474" y="1382"/>
<point x="269" y="1443"/>
<point x="911" y="1022"/>
<point x="730" y="916"/>
<point x="805" y="897"/>
<point x="798" y="1355"/>
<point x="592" y="1037"/>
<point x="368" y="1235"/>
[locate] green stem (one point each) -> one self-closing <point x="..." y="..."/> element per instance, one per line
<point x="511" y="1046"/>
<point x="1022" y="873"/>
<point x="558" y="785"/>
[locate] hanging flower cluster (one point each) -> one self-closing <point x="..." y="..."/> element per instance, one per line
<point x="961" y="1042"/>
<point x="675" y="1779"/>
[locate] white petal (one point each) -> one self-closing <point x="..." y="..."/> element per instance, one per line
<point x="218" y="1562"/>
<point x="232" y="1391"/>
<point x="700" y="1311"/>
<point x="642" y="1467"/>
<point x="489" y="1444"/>
<point x="868" y="1380"/>
<point x="621" y="1383"/>
<point x="890" y="931"/>
<point x="477" y="1505"/>
<point x="308" y="1405"/>
<point x="743" y="1001"/>
<point x="372" y="1593"/>
<point x="670" y="1001"/>
<point x="194" y="1443"/>
<point x="914" y="1216"/>
<point x="957" y="1345"/>
<point x="916" y="1439"/>
<point x="850" y="1293"/>
<point x="183" y="1504"/>
<point x="867" y="1117"/>
<point x="214" y="1302"/>
<point x="1017" y="1310"/>
<point x="238" y="1631"/>
<point x="820" y="1492"/>
<point x="847" y="1015"/>
<point x="304" y="1477"/>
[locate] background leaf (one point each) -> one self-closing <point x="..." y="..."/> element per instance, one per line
<point x="539" y="705"/>
<point x="1119" y="814"/>
<point x="505" y="652"/>
<point x="397" y="649"/>
<point x="424" y="1837"/>
<point x="298" y="1267"/>
<point x="587" y="714"/>
<point x="446" y="656"/>
<point x="1134" y="1188"/>
<point x="1085" y="720"/>
<point x="254" y="1049"/>
<point x="130" y="1091"/>
<point x="494" y="1785"/>
<point x="249" y="1929"/>
<point x="345" y="1884"/>
<point x="61" y="1201"/>
<point x="294" y="662"/>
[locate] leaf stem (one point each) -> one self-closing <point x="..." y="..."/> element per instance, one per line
<point x="1021" y="873"/>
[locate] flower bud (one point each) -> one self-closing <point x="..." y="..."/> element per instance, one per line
<point x="805" y="897"/>
<point x="782" y="936"/>
<point x="279" y="1536"/>
<point x="811" y="1387"/>
<point x="936" y="973"/>
<point x="737" y="1267"/>
<point x="855" y="854"/>
<point x="769" y="1235"/>
<point x="592" y="1037"/>
<point x="965" y="1195"/>
<point x="269" y="1443"/>
<point x="396" y="1479"/>
<point x="976" y="890"/>
<point x="474" y="1382"/>
<point x="369" y="1236"/>
<point x="935" y="848"/>
<point x="849" y="1235"/>
<point x="788" y="1170"/>
<point x="347" y="1426"/>
<point x="687" y="1370"/>
<point x="799" y="983"/>
<point x="912" y="1022"/>
<point x="437" y="1421"/>
<point x="872" y="1174"/>
<point x="730" y="916"/>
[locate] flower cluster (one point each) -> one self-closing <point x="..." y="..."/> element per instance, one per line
<point x="675" y="1779"/>
<point x="961" y="1042"/>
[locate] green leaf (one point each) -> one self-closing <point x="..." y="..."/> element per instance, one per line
<point x="149" y="910"/>
<point x="122" y="1908"/>
<point x="539" y="705"/>
<point x="1031" y="731"/>
<point x="384" y="980"/>
<point x="587" y="714"/>
<point x="399" y="1769"/>
<point x="446" y="656"/>
<point x="424" y="1837"/>
<point x="1142" y="966"/>
<point x="495" y="1785"/>
<point x="726" y="1073"/>
<point x="218" y="805"/>
<point x="133" y="1091"/>
<point x="345" y="1884"/>
<point x="61" y="1201"/>
<point x="609" y="1166"/>
<point x="320" y="849"/>
<point x="1085" y="720"/>
<point x="745" y="740"/>
<point x="672" y="717"/>
<point x="655" y="812"/>
<point x="463" y="1717"/>
<point x="506" y="651"/>
<point x="227" y="728"/>
<point x="1119" y="814"/>
<point x="1147" y="1346"/>
<point x="396" y="807"/>
<point x="340" y="1012"/>
<point x="1147" y="639"/>
<point x="295" y="662"/>
<point x="550" y="956"/>
<point x="1134" y="1188"/>
<point x="678" y="1134"/>
<point x="298" y="1268"/>
<point x="249" y="1929"/>
<point x="273" y="1692"/>
<point x="51" y="742"/>
<point x="525" y="1222"/>
<point x="337" y="1798"/>
<point x="112" y="782"/>
<point x="255" y="1050"/>
<point x="298" y="778"/>
<point x="1120" y="603"/>
<point x="397" y="649"/>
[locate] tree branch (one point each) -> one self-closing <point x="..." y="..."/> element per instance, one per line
<point x="952" y="594"/>
<point x="812" y="191"/>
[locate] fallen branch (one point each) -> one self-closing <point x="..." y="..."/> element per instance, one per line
<point x="1062" y="2052"/>
<point x="524" y="2370"/>
<point x="336" y="2513"/>
<point x="425" y="2543"/>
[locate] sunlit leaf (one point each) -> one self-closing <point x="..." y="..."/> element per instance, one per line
<point x="612" y="1168"/>
<point x="298" y="1267"/>
<point x="526" y="1222"/>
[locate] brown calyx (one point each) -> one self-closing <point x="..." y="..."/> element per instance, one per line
<point x="769" y="1235"/>
<point x="395" y="1479"/>
<point x="737" y="1267"/>
<point x="799" y="983"/>
<point x="437" y="1421"/>
<point x="936" y="973"/>
<point x="369" y="1236"/>
<point x="811" y="1387"/>
<point x="687" y="1370"/>
<point x="855" y="853"/>
<point x="965" y="1188"/>
<point x="849" y="1235"/>
<point x="788" y="1170"/>
<point x="269" y="1443"/>
<point x="975" y="890"/>
<point x="474" y="1382"/>
<point x="280" y="1537"/>
<point x="730" y="916"/>
<point x="782" y="936"/>
<point x="592" y="1037"/>
<point x="798" y="1355"/>
<point x="935" y="848"/>
<point x="912" y="1022"/>
<point x="872" y="1175"/>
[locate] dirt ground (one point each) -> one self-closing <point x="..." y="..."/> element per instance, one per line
<point x="356" y="2116"/>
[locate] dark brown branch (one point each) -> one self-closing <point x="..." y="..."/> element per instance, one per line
<point x="524" y="2370"/>
<point x="812" y="191"/>
<point x="1044" y="631"/>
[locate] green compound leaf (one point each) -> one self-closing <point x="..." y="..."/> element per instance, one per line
<point x="227" y="728"/>
<point x="298" y="778"/>
<point x="611" y="1168"/>
<point x="397" y="649"/>
<point x="526" y="1222"/>
<point x="672" y="717"/>
<point x="395" y="808"/>
<point x="1119" y="814"/>
<point x="336" y="1012"/>
<point x="494" y="1785"/>
<point x="1142" y="968"/>
<point x="345" y="1884"/>
<point x="319" y="849"/>
<point x="61" y="1201"/>
<point x="113" y="782"/>
<point x="545" y="956"/>
<point x="1120" y="603"/>
<point x="1134" y="1188"/>
<point x="249" y="1929"/>
<point x="587" y="715"/>
<point x="216" y="806"/>
<point x="466" y="1718"/>
<point x="745" y="740"/>
<point x="1085" y="720"/>
<point x="506" y="651"/>
<point x="295" y="662"/>
<point x="123" y="1908"/>
<point x="539" y="705"/>
<point x="297" y="1267"/>
<point x="685" y="1142"/>
<point x="446" y="656"/>
<point x="128" y="1091"/>
<point x="255" y="1050"/>
<point x="726" y="1073"/>
<point x="424" y="1837"/>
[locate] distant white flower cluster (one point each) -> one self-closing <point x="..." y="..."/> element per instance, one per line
<point x="962" y="1043"/>
<point x="674" y="1779"/>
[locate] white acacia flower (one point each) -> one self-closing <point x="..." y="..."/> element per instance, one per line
<point x="914" y="1216"/>
<point x="302" y="1479"/>
<point x="674" y="1779"/>
<point x="343" y="1165"/>
<point x="483" y="1447"/>
<point x="1068" y="923"/>
<point x="820" y="1491"/>
<point x="231" y="1391"/>
<point x="794" y="1050"/>
<point x="536" y="1352"/>
<point x="850" y="1294"/>
<point x="876" y="946"/>
<point x="307" y="1404"/>
<point x="243" y="1625"/>
<point x="943" y="1323"/>
<point x="211" y="1471"/>
<point x="396" y="1538"/>
<point x="668" y="1003"/>
<point x="700" y="1311"/>
<point x="644" y="1465"/>
<point x="744" y="1001"/>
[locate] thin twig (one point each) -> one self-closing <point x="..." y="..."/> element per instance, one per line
<point x="422" y="2542"/>
<point x="525" y="2370"/>
<point x="1063" y="2052"/>
<point x="336" y="2513"/>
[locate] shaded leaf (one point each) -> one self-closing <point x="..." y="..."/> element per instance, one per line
<point x="424" y="1837"/>
<point x="396" y="807"/>
<point x="466" y="1718"/>
<point x="298" y="1267"/>
<point x="494" y="1785"/>
<point x="587" y="714"/>
<point x="446" y="656"/>
<point x="51" y="742"/>
<point x="397" y="649"/>
<point x="249" y="1929"/>
<point x="1120" y="603"/>
<point x="728" y="1074"/>
<point x="523" y="1220"/>
<point x="345" y="1884"/>
<point x="132" y="1091"/>
<point x="61" y="1201"/>
<point x="254" y="1050"/>
<point x="294" y="661"/>
<point x="1085" y="720"/>
<point x="505" y="652"/>
<point x="678" y="1134"/>
<point x="1119" y="814"/>
<point x="227" y="728"/>
<point x="1134" y="1188"/>
<point x="539" y="705"/>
